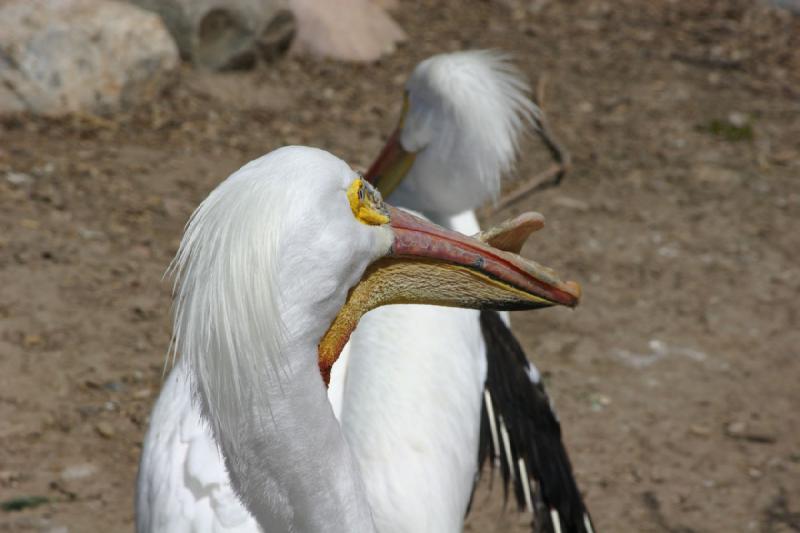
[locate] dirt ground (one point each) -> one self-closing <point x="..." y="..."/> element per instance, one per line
<point x="677" y="380"/>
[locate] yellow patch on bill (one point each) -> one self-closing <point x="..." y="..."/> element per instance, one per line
<point x="366" y="204"/>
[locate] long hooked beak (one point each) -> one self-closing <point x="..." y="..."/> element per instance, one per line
<point x="394" y="162"/>
<point x="428" y="264"/>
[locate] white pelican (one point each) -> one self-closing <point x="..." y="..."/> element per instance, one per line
<point x="457" y="136"/>
<point x="274" y="270"/>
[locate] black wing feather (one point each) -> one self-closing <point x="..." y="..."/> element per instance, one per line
<point x="534" y="435"/>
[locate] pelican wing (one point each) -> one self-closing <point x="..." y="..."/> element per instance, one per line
<point x="183" y="484"/>
<point x="521" y="434"/>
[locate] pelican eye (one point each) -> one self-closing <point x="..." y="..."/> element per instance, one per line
<point x="366" y="203"/>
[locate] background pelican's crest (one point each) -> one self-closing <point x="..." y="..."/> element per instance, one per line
<point x="469" y="108"/>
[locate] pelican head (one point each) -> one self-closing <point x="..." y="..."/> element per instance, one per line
<point x="458" y="133"/>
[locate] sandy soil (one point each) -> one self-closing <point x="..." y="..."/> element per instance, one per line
<point x="678" y="379"/>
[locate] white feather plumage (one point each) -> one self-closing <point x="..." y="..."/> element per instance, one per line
<point x="411" y="413"/>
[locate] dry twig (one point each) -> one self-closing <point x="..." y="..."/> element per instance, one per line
<point x="551" y="177"/>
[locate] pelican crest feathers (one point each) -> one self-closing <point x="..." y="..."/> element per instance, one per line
<point x="466" y="113"/>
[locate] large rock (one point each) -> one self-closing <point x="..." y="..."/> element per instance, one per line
<point x="226" y="34"/>
<point x="62" y="56"/>
<point x="350" y="30"/>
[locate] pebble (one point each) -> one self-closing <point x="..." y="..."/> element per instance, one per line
<point x="657" y="475"/>
<point x="114" y="386"/>
<point x="142" y="394"/>
<point x="90" y="234"/>
<point x="716" y="175"/>
<point x="8" y="476"/>
<point x="699" y="430"/>
<point x="741" y="430"/>
<point x="80" y="471"/>
<point x="29" y="223"/>
<point x="785" y="157"/>
<point x="737" y="119"/>
<point x="105" y="429"/>
<point x="736" y="429"/>
<point x="570" y="203"/>
<point x="598" y="402"/>
<point x="18" y="178"/>
<point x="32" y="340"/>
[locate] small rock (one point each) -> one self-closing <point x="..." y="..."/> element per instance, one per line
<point x="142" y="394"/>
<point x="759" y="435"/>
<point x="18" y="178"/>
<point x="699" y="430"/>
<point x="7" y="476"/>
<point x="87" y="411"/>
<point x="784" y="157"/>
<point x="657" y="475"/>
<point x="90" y="234"/>
<point x="598" y="401"/>
<point x="32" y="340"/>
<point x="114" y="386"/>
<point x="668" y="252"/>
<point x="738" y="119"/>
<point x="29" y="223"/>
<point x="736" y="429"/>
<point x="63" y="56"/>
<point x="80" y="471"/>
<point x="716" y="175"/>
<point x="45" y="170"/>
<point x="105" y="429"/>
<point x="570" y="203"/>
<point x="349" y="30"/>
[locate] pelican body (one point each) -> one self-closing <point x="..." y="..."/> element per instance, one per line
<point x="457" y="136"/>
